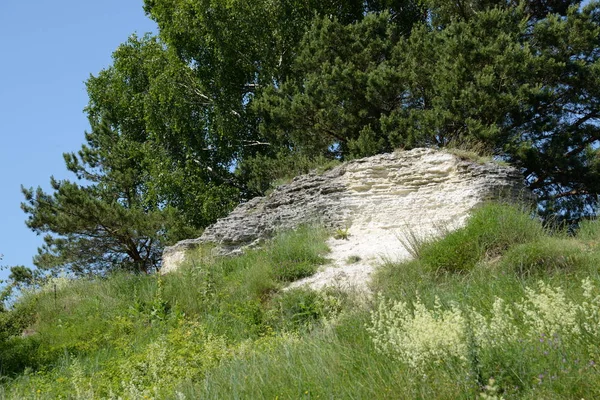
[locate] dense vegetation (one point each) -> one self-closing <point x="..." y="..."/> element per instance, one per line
<point x="501" y="308"/>
<point x="232" y="96"/>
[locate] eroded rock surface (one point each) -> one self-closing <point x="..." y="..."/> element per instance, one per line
<point x="420" y="192"/>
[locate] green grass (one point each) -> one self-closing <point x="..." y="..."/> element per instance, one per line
<point x="492" y="229"/>
<point x="226" y="328"/>
<point x="548" y="255"/>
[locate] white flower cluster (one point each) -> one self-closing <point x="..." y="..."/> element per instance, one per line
<point x="590" y="309"/>
<point x="548" y="312"/>
<point x="418" y="335"/>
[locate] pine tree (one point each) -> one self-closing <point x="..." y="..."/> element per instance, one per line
<point x="517" y="79"/>
<point x="106" y="221"/>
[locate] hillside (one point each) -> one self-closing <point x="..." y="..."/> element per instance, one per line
<point x="501" y="308"/>
<point x="174" y="264"/>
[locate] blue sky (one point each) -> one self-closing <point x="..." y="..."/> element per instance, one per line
<point x="49" y="49"/>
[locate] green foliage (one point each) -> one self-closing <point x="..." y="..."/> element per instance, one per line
<point x="315" y="366"/>
<point x="107" y="222"/>
<point x="507" y="78"/>
<point x="499" y="226"/>
<point x="542" y="327"/>
<point x="14" y="321"/>
<point x="341" y="234"/>
<point x="21" y="276"/>
<point x="301" y="308"/>
<point x="295" y="259"/>
<point x="499" y="243"/>
<point x="133" y="333"/>
<point x="264" y="172"/>
<point x="199" y="84"/>
<point x="458" y="251"/>
<point x="225" y="103"/>
<point x="589" y="230"/>
<point x="335" y="96"/>
<point x="546" y="255"/>
<point x="155" y="101"/>
<point x="471" y="152"/>
<point x="234" y="96"/>
<point x="222" y="327"/>
<point x="491" y="230"/>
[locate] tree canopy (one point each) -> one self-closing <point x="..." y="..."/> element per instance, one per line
<point x="109" y="220"/>
<point x="517" y="80"/>
<point x="233" y="95"/>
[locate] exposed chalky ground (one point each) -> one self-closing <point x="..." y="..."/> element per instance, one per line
<point x="421" y="192"/>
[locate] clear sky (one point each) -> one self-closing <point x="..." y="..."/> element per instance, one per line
<point x="49" y="49"/>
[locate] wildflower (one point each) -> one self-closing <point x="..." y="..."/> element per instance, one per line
<point x="420" y="336"/>
<point x="548" y="311"/>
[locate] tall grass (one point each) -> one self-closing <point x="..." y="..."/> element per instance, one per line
<point x="501" y="308"/>
<point x="104" y="323"/>
<point x="491" y="230"/>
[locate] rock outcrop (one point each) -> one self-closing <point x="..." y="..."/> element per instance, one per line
<point x="376" y="199"/>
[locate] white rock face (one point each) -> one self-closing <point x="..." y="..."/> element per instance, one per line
<point x="421" y="192"/>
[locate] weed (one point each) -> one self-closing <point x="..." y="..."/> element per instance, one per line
<point x="353" y="259"/>
<point x="341" y="234"/>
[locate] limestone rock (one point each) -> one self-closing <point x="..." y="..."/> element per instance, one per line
<point x="377" y="199"/>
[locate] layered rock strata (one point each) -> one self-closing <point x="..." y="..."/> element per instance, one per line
<point x="377" y="200"/>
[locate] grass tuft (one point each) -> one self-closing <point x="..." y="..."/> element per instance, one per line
<point x="491" y="230"/>
<point x="547" y="255"/>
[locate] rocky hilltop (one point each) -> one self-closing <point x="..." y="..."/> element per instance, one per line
<point x="374" y="200"/>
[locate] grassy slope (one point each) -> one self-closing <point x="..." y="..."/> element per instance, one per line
<point x="223" y="328"/>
